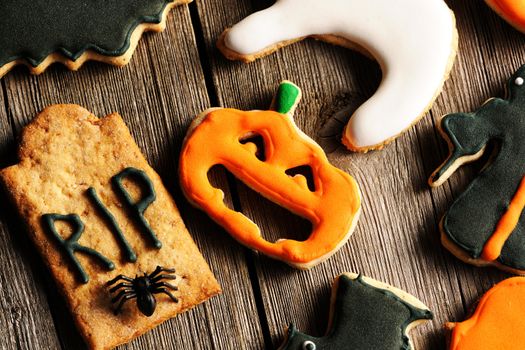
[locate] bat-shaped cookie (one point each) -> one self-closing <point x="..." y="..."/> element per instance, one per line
<point x="37" y="33"/>
<point x="364" y="314"/>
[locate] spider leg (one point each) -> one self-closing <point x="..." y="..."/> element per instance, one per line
<point x="119" y="277"/>
<point x="167" y="292"/>
<point x="130" y="295"/>
<point x="120" y="285"/>
<point x="165" y="284"/>
<point x="121" y="293"/>
<point x="122" y="301"/>
<point x="160" y="269"/>
<point x="163" y="276"/>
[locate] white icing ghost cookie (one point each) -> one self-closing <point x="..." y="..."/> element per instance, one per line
<point x="414" y="41"/>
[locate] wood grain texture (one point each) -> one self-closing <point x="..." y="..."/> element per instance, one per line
<point x="25" y="319"/>
<point x="157" y="94"/>
<point x="176" y="74"/>
<point x="397" y="238"/>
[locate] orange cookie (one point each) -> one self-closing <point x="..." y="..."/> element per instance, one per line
<point x="513" y="11"/>
<point x="217" y="136"/>
<point x="497" y="322"/>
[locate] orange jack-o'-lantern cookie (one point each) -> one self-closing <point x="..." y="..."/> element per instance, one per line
<point x="513" y="11"/>
<point x="497" y="322"/>
<point x="217" y="137"/>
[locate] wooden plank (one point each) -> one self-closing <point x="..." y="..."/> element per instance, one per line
<point x="25" y="319"/>
<point x="397" y="238"/>
<point x="157" y="94"/>
<point x="474" y="80"/>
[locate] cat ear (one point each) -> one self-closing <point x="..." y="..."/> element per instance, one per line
<point x="291" y="333"/>
<point x="467" y="135"/>
<point x="287" y="98"/>
<point x="516" y="84"/>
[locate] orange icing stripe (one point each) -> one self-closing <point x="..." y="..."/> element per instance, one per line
<point x="505" y="226"/>
<point x="497" y="322"/>
<point x="331" y="208"/>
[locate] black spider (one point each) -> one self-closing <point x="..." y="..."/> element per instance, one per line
<point x="143" y="288"/>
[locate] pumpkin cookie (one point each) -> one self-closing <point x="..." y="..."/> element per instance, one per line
<point x="221" y="136"/>
<point x="497" y="322"/>
<point x="512" y="11"/>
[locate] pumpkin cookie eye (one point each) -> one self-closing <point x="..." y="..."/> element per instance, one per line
<point x="519" y="81"/>
<point x="309" y="345"/>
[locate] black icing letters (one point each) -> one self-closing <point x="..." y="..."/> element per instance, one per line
<point x="137" y="209"/>
<point x="71" y="244"/>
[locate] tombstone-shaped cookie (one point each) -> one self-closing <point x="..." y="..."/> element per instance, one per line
<point x="105" y="225"/>
<point x="485" y="225"/>
<point x="364" y="314"/>
<point x="37" y="33"/>
<point x="224" y="136"/>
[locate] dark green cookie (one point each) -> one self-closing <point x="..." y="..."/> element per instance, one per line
<point x="498" y="125"/>
<point x="364" y="317"/>
<point x="34" y="29"/>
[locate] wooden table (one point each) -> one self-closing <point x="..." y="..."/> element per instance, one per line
<point x="176" y="74"/>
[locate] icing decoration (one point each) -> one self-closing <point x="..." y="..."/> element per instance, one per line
<point x="140" y="207"/>
<point x="131" y="256"/>
<point x="513" y="11"/>
<point x="309" y="345"/>
<point x="217" y="137"/>
<point x="415" y="63"/>
<point x="365" y="314"/>
<point x="71" y="245"/>
<point x="497" y="322"/>
<point x="34" y="29"/>
<point x="486" y="220"/>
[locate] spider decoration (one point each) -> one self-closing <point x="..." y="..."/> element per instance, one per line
<point x="143" y="288"/>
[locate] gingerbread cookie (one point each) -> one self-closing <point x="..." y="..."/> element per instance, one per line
<point x="485" y="226"/>
<point x="497" y="322"/>
<point x="364" y="314"/>
<point x="97" y="212"/>
<point x="222" y="136"/>
<point x="38" y="33"/>
<point x="513" y="11"/>
<point x="414" y="41"/>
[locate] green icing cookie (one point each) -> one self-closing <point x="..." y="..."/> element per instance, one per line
<point x="474" y="216"/>
<point x="34" y="29"/>
<point x="365" y="315"/>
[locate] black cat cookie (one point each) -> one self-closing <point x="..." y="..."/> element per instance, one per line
<point x="485" y="225"/>
<point x="106" y="227"/>
<point x="38" y="33"/>
<point x="364" y="314"/>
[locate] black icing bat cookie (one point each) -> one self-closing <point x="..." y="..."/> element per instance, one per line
<point x="485" y="225"/>
<point x="366" y="315"/>
<point x="37" y="33"/>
